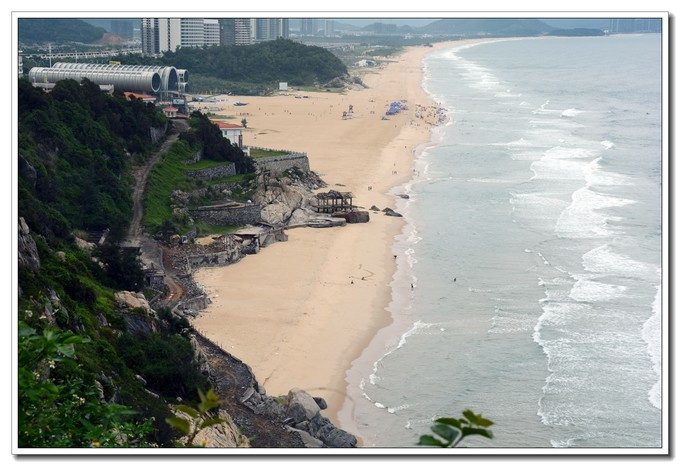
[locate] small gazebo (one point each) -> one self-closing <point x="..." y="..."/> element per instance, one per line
<point x="333" y="201"/>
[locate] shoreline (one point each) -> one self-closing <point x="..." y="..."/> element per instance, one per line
<point x="287" y="312"/>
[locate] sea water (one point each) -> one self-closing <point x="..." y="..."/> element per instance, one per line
<point x="529" y="282"/>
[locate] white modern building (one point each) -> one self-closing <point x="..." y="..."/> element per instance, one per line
<point x="160" y="35"/>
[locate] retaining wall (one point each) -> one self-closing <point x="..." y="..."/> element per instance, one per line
<point x="247" y="214"/>
<point x="280" y="163"/>
<point x="208" y="174"/>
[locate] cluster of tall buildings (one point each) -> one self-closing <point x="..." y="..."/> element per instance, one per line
<point x="160" y="35"/>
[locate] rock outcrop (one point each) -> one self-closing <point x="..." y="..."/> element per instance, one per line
<point x="138" y="315"/>
<point x="302" y="414"/>
<point x="27" y="249"/>
<point x="223" y="435"/>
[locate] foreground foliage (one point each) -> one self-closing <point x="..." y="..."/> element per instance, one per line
<point x="449" y="432"/>
<point x="202" y="417"/>
<point x="59" y="406"/>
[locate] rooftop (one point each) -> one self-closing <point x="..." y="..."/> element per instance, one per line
<point x="223" y="125"/>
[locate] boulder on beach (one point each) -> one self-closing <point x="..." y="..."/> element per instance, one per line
<point x="391" y="213"/>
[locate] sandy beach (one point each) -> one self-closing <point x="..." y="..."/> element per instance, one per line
<point x="300" y="312"/>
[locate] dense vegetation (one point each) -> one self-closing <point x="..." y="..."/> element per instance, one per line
<point x="79" y="365"/>
<point x="75" y="146"/>
<point x="170" y="174"/>
<point x="208" y="137"/>
<point x="32" y="30"/>
<point x="260" y="65"/>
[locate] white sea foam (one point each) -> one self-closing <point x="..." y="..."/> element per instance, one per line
<point x="607" y="144"/>
<point x="651" y="334"/>
<point x="596" y="176"/>
<point x="605" y="261"/>
<point x="582" y="218"/>
<point x="571" y="112"/>
<point x="561" y="163"/>
<point x="586" y="290"/>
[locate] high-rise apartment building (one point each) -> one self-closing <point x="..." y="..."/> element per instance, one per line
<point x="168" y="34"/>
<point x="227" y="31"/>
<point x="243" y="31"/>
<point x="271" y="28"/>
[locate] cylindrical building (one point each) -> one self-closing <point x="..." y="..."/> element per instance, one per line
<point x="129" y="80"/>
<point x="168" y="74"/>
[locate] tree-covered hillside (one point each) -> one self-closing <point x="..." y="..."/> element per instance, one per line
<point x="75" y="146"/>
<point x="263" y="64"/>
<point x="498" y="27"/>
<point x="57" y="30"/>
<point x="90" y="348"/>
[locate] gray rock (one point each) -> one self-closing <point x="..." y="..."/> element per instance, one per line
<point x="301" y="406"/>
<point x="391" y="213"/>
<point x="27" y="249"/>
<point x="354" y="216"/>
<point x="321" y="402"/>
<point x="336" y="438"/>
<point x="375" y="208"/>
<point x="308" y="440"/>
<point x="101" y="320"/>
<point x="405" y="196"/>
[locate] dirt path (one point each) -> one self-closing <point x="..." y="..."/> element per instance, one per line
<point x="135" y="234"/>
<point x="141" y="175"/>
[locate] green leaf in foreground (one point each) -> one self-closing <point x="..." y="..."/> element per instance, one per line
<point x="451" y="431"/>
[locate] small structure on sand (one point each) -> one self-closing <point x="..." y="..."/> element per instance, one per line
<point x="332" y="201"/>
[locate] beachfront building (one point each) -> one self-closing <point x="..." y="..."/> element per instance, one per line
<point x="230" y="131"/>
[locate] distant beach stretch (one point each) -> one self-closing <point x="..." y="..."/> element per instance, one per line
<point x="300" y="312"/>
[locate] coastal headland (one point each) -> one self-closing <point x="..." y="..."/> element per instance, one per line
<point x="300" y="312"/>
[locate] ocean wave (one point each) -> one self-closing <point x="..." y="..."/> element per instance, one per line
<point x="605" y="261"/>
<point x="561" y="163"/>
<point x="586" y="290"/>
<point x="651" y="334"/>
<point x="596" y="176"/>
<point x="582" y="219"/>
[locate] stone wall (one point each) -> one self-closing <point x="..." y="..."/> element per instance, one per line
<point x="208" y="174"/>
<point x="213" y="259"/>
<point x="247" y="214"/>
<point x="280" y="163"/>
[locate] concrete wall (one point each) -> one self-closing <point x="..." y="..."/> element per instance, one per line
<point x="208" y="174"/>
<point x="242" y="215"/>
<point x="281" y="163"/>
<point x="213" y="259"/>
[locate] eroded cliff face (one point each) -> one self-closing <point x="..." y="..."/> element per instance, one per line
<point x="27" y="249"/>
<point x="285" y="199"/>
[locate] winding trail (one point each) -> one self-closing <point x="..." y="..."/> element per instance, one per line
<point x="141" y="175"/>
<point x="151" y="252"/>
